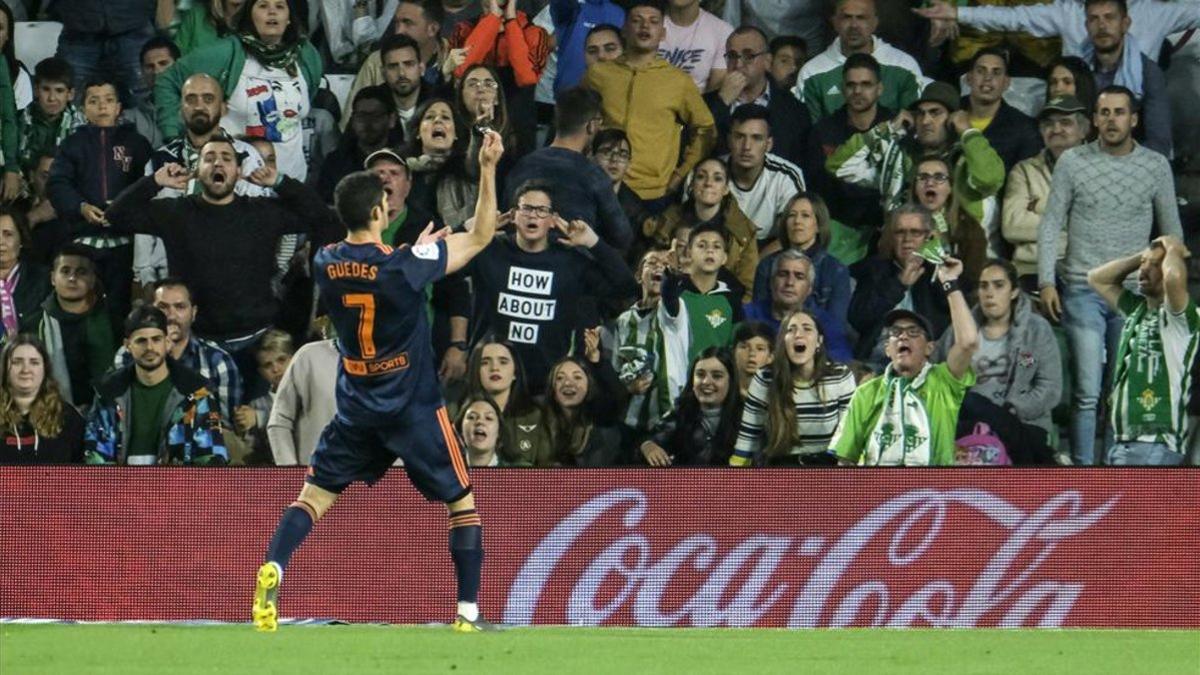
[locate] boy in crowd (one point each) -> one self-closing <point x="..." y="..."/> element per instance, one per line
<point x="52" y="116"/>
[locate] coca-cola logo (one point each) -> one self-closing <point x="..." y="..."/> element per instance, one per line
<point x="742" y="584"/>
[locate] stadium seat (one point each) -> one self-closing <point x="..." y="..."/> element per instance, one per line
<point x="35" y="41"/>
<point x="340" y="86"/>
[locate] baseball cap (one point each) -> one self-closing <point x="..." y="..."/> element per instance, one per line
<point x="382" y="153"/>
<point x="145" y="316"/>
<point x="1062" y="104"/>
<point x="938" y="92"/>
<point x="897" y="314"/>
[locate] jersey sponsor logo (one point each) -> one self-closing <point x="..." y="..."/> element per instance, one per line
<point x="347" y="269"/>
<point x="525" y="333"/>
<point x="383" y="366"/>
<point x="519" y="307"/>
<point x="716" y="318"/>
<point x="426" y="251"/>
<point x="526" y="280"/>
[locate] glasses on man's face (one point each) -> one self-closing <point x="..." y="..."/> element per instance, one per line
<point x="906" y="331"/>
<point x="481" y="85"/>
<point x="536" y="211"/>
<point x="613" y="155"/>
<point x="747" y="56"/>
<point x="911" y="234"/>
<point x="935" y="178"/>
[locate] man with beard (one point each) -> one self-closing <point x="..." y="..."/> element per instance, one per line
<point x="153" y="411"/>
<point x="202" y="105"/>
<point x="174" y="299"/>
<point x="1108" y="195"/>
<point x="402" y="69"/>
<point x="222" y="244"/>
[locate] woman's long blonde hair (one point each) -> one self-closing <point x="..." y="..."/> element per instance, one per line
<point x="46" y="412"/>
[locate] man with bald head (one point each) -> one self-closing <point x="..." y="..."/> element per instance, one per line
<point x="819" y="85"/>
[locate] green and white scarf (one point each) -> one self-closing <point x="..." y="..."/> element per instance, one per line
<point x="281" y="56"/>
<point x="902" y="434"/>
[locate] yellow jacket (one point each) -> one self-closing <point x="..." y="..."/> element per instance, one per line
<point x="653" y="104"/>
<point x="1028" y="181"/>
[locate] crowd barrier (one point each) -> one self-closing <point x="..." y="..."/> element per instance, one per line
<point x="678" y="547"/>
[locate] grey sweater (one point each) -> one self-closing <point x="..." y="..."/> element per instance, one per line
<point x="1107" y="206"/>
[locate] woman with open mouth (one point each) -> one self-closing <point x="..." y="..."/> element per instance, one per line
<point x="584" y="400"/>
<point x="795" y="404"/>
<point x="494" y="373"/>
<point x="479" y="425"/>
<point x="439" y="161"/>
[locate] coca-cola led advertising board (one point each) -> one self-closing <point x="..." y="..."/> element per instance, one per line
<point x="796" y="548"/>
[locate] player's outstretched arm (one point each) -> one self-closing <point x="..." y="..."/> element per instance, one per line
<point x="463" y="246"/>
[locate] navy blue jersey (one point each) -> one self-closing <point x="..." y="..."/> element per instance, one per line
<point x="376" y="298"/>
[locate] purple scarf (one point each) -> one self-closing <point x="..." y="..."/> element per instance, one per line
<point x="8" y="308"/>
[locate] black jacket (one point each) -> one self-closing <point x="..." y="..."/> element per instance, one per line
<point x="851" y="205"/>
<point x="32" y="289"/>
<point x="789" y="123"/>
<point x="1013" y="134"/>
<point x="879" y="291"/>
<point x="103" y="17"/>
<point x="93" y="165"/>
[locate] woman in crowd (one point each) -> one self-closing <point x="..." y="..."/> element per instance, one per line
<point x="751" y="351"/>
<point x="795" y="405"/>
<point x="23" y="285"/>
<point x="18" y="76"/>
<point x="38" y="426"/>
<point x="270" y="73"/>
<point x="1071" y="76"/>
<point x="703" y="428"/>
<point x="806" y="226"/>
<point x="963" y="235"/>
<point x="710" y="202"/>
<point x="439" y="163"/>
<point x="479" y="426"/>
<point x="205" y="22"/>
<point x="480" y="102"/>
<point x="583" y="404"/>
<point x="494" y="372"/>
<point x="1018" y="369"/>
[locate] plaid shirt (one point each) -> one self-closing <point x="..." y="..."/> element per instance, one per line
<point x="214" y="364"/>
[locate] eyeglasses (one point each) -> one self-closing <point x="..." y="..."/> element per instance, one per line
<point x="531" y="210"/>
<point x="487" y="85"/>
<point x="906" y="331"/>
<point x="935" y="178"/>
<point x="614" y="155"/>
<point x="911" y="234"/>
<point x="734" y="57"/>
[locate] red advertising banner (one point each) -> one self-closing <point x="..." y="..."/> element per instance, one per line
<point x="676" y="547"/>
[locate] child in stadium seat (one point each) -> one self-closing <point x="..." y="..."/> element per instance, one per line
<point x="703" y="427"/>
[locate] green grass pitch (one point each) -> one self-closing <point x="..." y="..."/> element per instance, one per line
<point x="315" y="650"/>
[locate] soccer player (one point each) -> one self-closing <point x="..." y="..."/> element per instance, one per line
<point x="388" y="400"/>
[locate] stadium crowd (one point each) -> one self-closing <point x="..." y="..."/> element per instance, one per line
<point x="861" y="232"/>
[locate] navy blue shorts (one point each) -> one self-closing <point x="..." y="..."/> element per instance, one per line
<point x="423" y="437"/>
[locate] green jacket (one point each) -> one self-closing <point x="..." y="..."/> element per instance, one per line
<point x="225" y="61"/>
<point x="9" y="136"/>
<point x="880" y="158"/>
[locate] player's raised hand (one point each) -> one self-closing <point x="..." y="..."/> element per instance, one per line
<point x="429" y="236"/>
<point x="172" y="175"/>
<point x="577" y="232"/>
<point x="490" y="150"/>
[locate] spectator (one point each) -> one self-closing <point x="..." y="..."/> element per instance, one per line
<point x="1011" y="133"/>
<point x="855" y="208"/>
<point x="39" y="427"/>
<point x="884" y="157"/>
<point x="603" y="43"/>
<point x="709" y="203"/>
<point x="92" y="166"/>
<point x="806" y="228"/>
<point x="1112" y="52"/>
<point x="221" y="243"/>
<point x="479" y="425"/>
<point x="401" y="59"/>
<point x="1064" y="125"/>
<point x="352" y="27"/>
<point x="18" y="75"/>
<point x="270" y="74"/>
<point x="304" y="403"/>
<point x="1018" y="371"/>
<point x="792" y="280"/>
<point x="962" y="235"/>
<point x="907" y="416"/>
<point x="52" y="116"/>
<point x="158" y="54"/>
<point x="103" y="38"/>
<point x="581" y="394"/>
<point x="9" y="138"/>
<point x="1071" y="76"/>
<point x="153" y="411"/>
<point x="1108" y="196"/>
<point x="76" y="326"/>
<point x="24" y="285"/>
<point x="694" y="42"/>
<point x="613" y="154"/>
<point x="440" y="170"/>
<point x="789" y="53"/>
<point x="1153" y="372"/>
<point x="795" y="403"/>
<point x="481" y="102"/>
<point x="805" y="19"/>
<point x="273" y="354"/>
<point x="174" y="299"/>
<point x="528" y="290"/>
<point x="637" y="353"/>
<point x="748" y="82"/>
<point x="581" y="28"/>
<point x="205" y="23"/>
<point x="49" y="232"/>
<point x="588" y="196"/>
<point x="819" y="85"/>
<point x="373" y="127"/>
<point x="761" y="182"/>
<point x="751" y="351"/>
<point x="654" y="103"/>
<point x="703" y="427"/>
<point x="495" y="373"/>
<point x="900" y="281"/>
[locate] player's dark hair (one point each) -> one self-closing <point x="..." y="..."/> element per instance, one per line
<point x="1118" y="89"/>
<point x="160" y="42"/>
<point x="574" y="109"/>
<point x="864" y="62"/>
<point x="354" y="198"/>
<point x="690" y="415"/>
<point x="1121" y="5"/>
<point x="519" y="401"/>
<point x="794" y="41"/>
<point x="600" y="28"/>
<point x="748" y="112"/>
<point x="534" y="185"/>
<point x="396" y="41"/>
<point x="54" y="69"/>
<point x="563" y="423"/>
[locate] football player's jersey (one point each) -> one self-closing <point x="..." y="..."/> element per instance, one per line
<point x="375" y="297"/>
